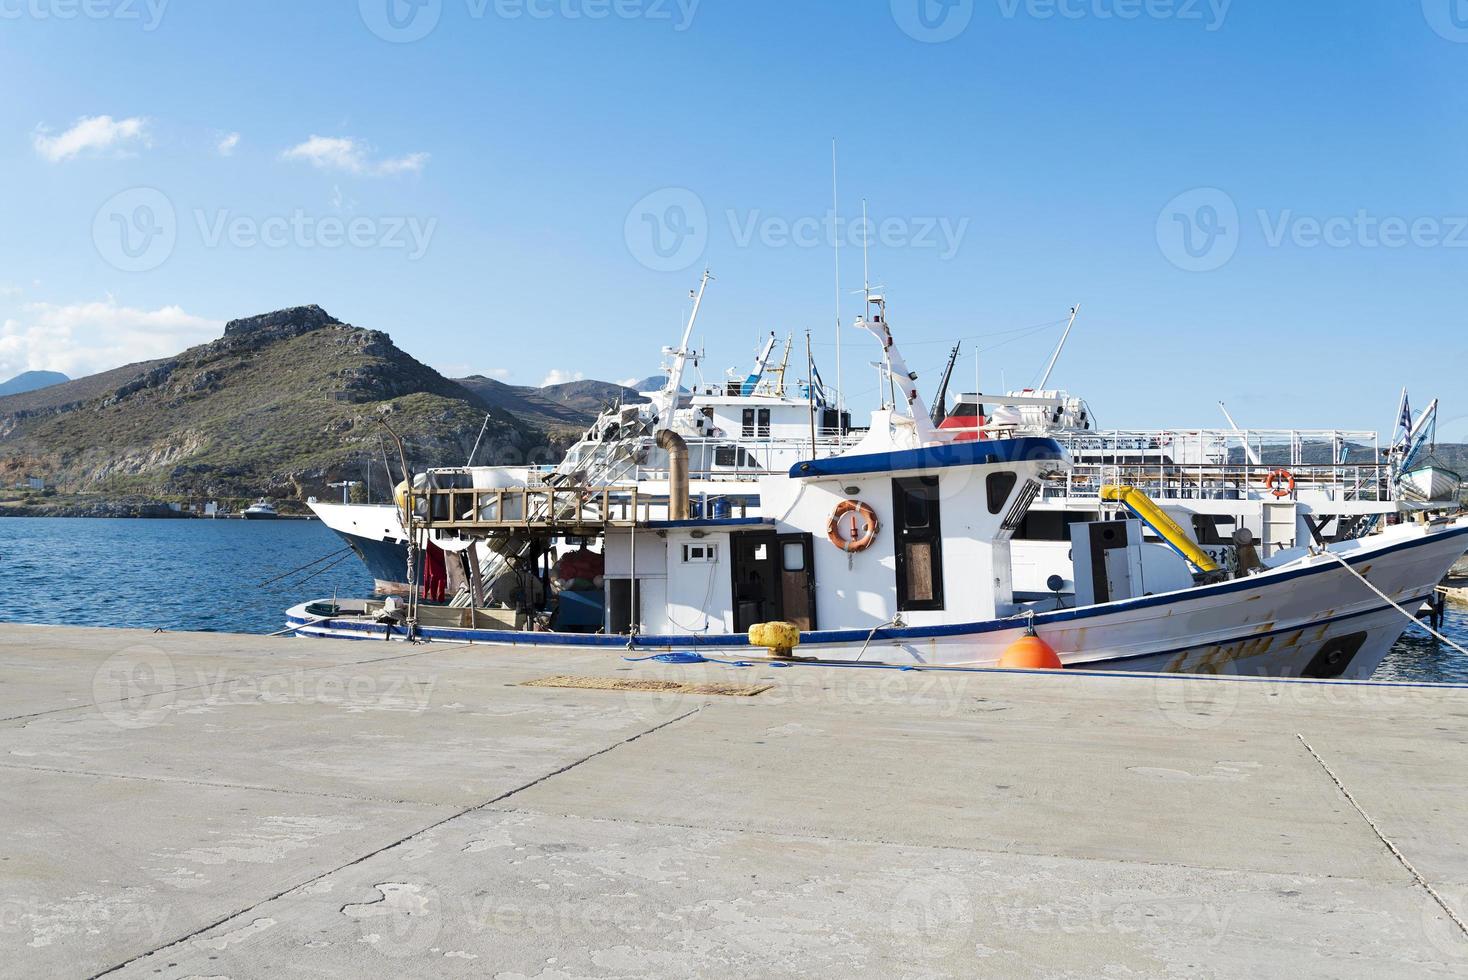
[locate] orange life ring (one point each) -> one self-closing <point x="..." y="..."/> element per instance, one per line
<point x="1281" y="483"/>
<point x="863" y="526"/>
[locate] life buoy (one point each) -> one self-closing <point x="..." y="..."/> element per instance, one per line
<point x="853" y="526"/>
<point x="1281" y="483"/>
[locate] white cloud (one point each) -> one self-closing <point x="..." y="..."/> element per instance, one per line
<point x="630" y="382"/>
<point x="227" y="144"/>
<point x="8" y="290"/>
<point x="345" y="155"/>
<point x="559" y="377"/>
<point x="85" y="338"/>
<point x="91" y="133"/>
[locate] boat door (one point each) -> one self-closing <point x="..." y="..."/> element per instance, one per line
<point x="774" y="579"/>
<point x="798" y="580"/>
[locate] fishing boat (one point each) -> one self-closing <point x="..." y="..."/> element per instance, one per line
<point x="899" y="550"/>
<point x="750" y="425"/>
<point x="260" y="510"/>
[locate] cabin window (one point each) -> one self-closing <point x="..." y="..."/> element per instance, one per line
<point x="793" y="557"/>
<point x="700" y="554"/>
<point x="919" y="543"/>
<point x="757" y="423"/>
<point x="834" y="422"/>
<point x="999" y="487"/>
<point x="733" y="456"/>
<point x="1052" y="525"/>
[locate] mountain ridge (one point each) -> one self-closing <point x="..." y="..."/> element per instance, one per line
<point x="281" y="405"/>
<point x="32" y="381"/>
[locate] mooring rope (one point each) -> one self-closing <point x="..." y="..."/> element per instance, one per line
<point x="1411" y="616"/>
<point x="293" y="571"/>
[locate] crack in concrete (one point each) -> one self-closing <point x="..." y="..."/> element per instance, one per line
<point x="745" y="830"/>
<point x="397" y="843"/>
<point x="1396" y="852"/>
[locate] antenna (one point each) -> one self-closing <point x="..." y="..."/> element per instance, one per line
<point x="1074" y="312"/>
<point x="866" y="250"/>
<point x="836" y="234"/>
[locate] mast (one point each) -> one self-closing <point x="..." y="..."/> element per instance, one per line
<point x="940" y="401"/>
<point x="761" y="362"/>
<point x="1074" y="312"/>
<point x="836" y="235"/>
<point x="875" y="323"/>
<point x="1248" y="450"/>
<point x="667" y="401"/>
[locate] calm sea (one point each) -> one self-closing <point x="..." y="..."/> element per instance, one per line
<point x="207" y="575"/>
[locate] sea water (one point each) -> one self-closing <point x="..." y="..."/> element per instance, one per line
<point x="216" y="576"/>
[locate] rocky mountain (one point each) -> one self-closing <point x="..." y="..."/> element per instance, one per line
<point x="31" y="381"/>
<point x="282" y="405"/>
<point x="572" y="405"/>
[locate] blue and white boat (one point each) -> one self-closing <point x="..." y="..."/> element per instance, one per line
<point x="899" y="551"/>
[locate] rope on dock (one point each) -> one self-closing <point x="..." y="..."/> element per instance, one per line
<point x="1411" y="616"/>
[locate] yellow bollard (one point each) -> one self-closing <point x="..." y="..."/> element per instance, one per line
<point x="779" y="638"/>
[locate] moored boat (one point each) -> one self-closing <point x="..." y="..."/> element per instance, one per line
<point x="260" y="510"/>
<point x="900" y="551"/>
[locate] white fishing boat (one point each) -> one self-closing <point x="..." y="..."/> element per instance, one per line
<point x="736" y="431"/>
<point x="260" y="510"/>
<point x="900" y="550"/>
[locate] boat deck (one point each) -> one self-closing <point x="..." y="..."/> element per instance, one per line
<point x="208" y="805"/>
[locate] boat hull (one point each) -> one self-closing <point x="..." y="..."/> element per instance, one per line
<point x="375" y="533"/>
<point x="1311" y="618"/>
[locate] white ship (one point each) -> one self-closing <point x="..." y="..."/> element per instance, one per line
<point x="900" y="550"/>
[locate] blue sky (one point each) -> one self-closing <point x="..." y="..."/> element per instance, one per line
<point x="1257" y="202"/>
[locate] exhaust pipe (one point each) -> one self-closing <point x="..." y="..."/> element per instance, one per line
<point x="677" y="451"/>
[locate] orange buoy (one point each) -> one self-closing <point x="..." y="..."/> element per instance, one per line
<point x="1029" y="652"/>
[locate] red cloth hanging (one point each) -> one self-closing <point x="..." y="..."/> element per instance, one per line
<point x="435" y="574"/>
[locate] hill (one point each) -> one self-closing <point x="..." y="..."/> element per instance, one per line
<point x="31" y="381"/>
<point x="573" y="405"/>
<point x="281" y="405"/>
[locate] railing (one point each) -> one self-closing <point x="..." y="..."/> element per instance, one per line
<point x="1245" y="481"/>
<point x="510" y="509"/>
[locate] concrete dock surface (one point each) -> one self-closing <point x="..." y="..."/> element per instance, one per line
<point x="186" y="805"/>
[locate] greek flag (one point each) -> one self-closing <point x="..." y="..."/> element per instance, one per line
<point x="1406" y="420"/>
<point x="818" y="387"/>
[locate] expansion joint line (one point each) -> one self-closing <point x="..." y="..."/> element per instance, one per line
<point x="1390" y="846"/>
<point x="397" y="843"/>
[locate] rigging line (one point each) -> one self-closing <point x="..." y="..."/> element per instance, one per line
<point x="308" y="564"/>
<point x="1032" y="328"/>
<point x="319" y="571"/>
<point x="1394" y="605"/>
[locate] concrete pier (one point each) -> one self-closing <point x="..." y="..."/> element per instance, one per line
<point x="224" y="806"/>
